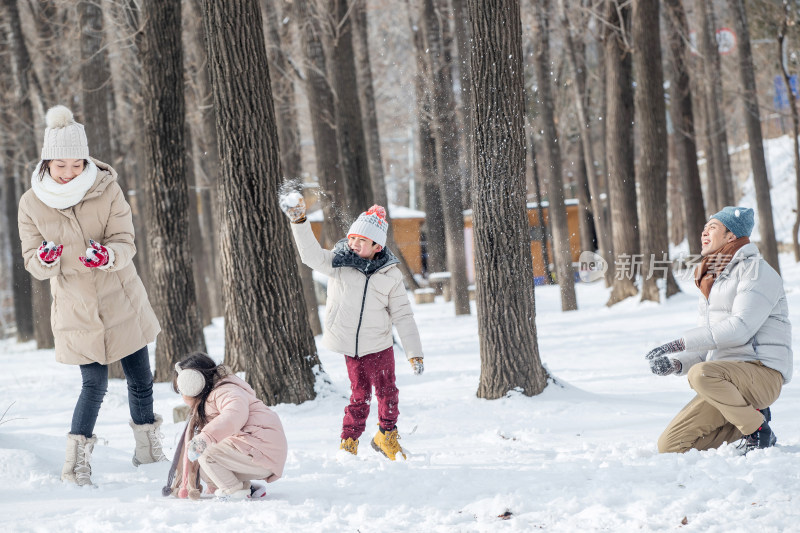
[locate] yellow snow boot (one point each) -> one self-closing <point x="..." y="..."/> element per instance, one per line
<point x="385" y="441"/>
<point x="349" y="445"/>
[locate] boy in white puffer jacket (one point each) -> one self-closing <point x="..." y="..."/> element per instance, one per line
<point x="366" y="296"/>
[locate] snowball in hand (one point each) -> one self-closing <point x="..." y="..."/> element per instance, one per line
<point x="290" y="199"/>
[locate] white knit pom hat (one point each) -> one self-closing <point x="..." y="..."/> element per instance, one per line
<point x="63" y="138"/>
<point x="371" y="224"/>
<point x="190" y="382"/>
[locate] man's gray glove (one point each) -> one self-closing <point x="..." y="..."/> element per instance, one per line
<point x="662" y="365"/>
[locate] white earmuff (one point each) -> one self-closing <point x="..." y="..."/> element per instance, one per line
<point x="191" y="382"/>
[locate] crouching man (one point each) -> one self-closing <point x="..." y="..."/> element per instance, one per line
<point x="739" y="356"/>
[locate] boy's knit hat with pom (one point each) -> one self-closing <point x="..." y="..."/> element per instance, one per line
<point x="63" y="138"/>
<point x="371" y="224"/>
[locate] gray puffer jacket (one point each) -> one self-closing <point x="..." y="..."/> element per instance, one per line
<point x="745" y="318"/>
<point x="365" y="298"/>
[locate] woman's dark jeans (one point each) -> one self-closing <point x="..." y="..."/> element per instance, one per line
<point x="95" y="384"/>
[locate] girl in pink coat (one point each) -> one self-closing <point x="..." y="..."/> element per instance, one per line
<point x="231" y="437"/>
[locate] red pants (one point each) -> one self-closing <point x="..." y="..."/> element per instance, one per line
<point x="372" y="370"/>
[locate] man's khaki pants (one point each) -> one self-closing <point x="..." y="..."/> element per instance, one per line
<point x="228" y="469"/>
<point x="725" y="408"/>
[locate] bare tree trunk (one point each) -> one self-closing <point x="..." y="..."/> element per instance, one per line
<point x="367" y="100"/>
<point x="716" y="119"/>
<point x="200" y="275"/>
<point x="683" y="123"/>
<point x="677" y="220"/>
<point x="129" y="105"/>
<point x="207" y="154"/>
<point x="372" y="134"/>
<point x="447" y="157"/>
<point x="652" y="172"/>
<point x="20" y="279"/>
<point x="266" y="330"/>
<point x="323" y="122"/>
<point x="435" y="240"/>
<point x="766" y="228"/>
<point x="619" y="154"/>
<point x="504" y="272"/>
<point x="539" y="209"/>
<point x="463" y="33"/>
<point x="353" y="160"/>
<point x="601" y="223"/>
<point x="96" y="89"/>
<point x="173" y="290"/>
<point x="712" y="204"/>
<point x="95" y="80"/>
<point x="48" y="48"/>
<point x="23" y="70"/>
<point x="788" y="19"/>
<point x="557" y="210"/>
<point x="289" y="139"/>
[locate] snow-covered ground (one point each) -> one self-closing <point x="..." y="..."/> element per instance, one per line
<point x="579" y="457"/>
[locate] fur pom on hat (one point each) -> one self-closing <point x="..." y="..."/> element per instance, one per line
<point x="371" y="224"/>
<point x="58" y="117"/>
<point x="63" y="138"/>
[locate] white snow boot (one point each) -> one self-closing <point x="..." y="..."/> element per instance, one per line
<point x="148" y="442"/>
<point x="77" y="465"/>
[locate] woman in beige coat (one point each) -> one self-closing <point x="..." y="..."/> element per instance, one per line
<point x="76" y="230"/>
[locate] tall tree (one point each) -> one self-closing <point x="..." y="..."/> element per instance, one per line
<point x="200" y="274"/>
<point x="447" y="157"/>
<point x="288" y="136"/>
<point x="22" y="68"/>
<point x="557" y="211"/>
<point x="95" y="80"/>
<point x="463" y="41"/>
<point x="172" y="287"/>
<point x="322" y="113"/>
<point x="366" y="98"/>
<point x="372" y="135"/>
<point x="715" y="119"/>
<point x="353" y="159"/>
<point x="96" y="92"/>
<point x="504" y="270"/>
<point x="619" y="149"/>
<point x="205" y="151"/>
<point x="651" y="175"/>
<point x="788" y="20"/>
<point x="601" y="222"/>
<point x="20" y="279"/>
<point x="434" y="238"/>
<point x="682" y="115"/>
<point x="752" y="118"/>
<point x="266" y="331"/>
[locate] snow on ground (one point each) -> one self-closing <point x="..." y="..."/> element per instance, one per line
<point x="579" y="457"/>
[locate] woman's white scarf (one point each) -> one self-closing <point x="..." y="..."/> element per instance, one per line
<point x="62" y="196"/>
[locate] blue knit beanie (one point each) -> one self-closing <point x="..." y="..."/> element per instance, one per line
<point x="739" y="220"/>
